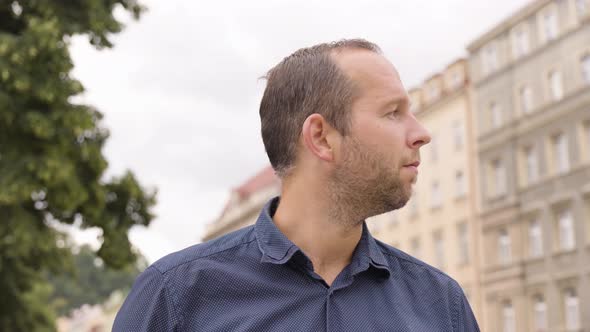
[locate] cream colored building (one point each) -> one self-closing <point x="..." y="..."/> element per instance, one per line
<point x="531" y="83"/>
<point x="245" y="204"/>
<point x="439" y="225"/>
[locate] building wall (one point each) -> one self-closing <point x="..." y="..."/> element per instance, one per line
<point x="508" y="216"/>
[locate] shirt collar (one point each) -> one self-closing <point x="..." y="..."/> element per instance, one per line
<point x="274" y="245"/>
<point x="278" y="249"/>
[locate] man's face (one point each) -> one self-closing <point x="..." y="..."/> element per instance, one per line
<point x="378" y="160"/>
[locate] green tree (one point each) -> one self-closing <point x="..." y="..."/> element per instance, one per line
<point x="51" y="162"/>
<point x="91" y="283"/>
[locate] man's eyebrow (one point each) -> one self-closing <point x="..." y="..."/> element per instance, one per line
<point x="397" y="100"/>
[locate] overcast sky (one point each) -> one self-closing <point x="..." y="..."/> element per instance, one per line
<point x="180" y="89"/>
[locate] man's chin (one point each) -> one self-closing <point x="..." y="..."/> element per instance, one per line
<point x="405" y="201"/>
<point x="407" y="195"/>
<point x="399" y="202"/>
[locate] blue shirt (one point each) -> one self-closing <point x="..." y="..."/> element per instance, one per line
<point x="255" y="279"/>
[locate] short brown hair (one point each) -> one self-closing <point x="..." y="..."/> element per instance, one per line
<point x="306" y="82"/>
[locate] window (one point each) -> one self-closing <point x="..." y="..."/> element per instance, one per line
<point x="539" y="314"/>
<point x="436" y="199"/>
<point x="458" y="135"/>
<point x="567" y="240"/>
<point x="416" y="251"/>
<point x="496" y="115"/>
<point x="581" y="8"/>
<point x="456" y="79"/>
<point x="467" y="293"/>
<point x="490" y="59"/>
<point x="499" y="178"/>
<point x="433" y="147"/>
<point x="460" y="185"/>
<point x="508" y="319"/>
<point x="393" y="220"/>
<point x="556" y="85"/>
<point x="433" y="92"/>
<point x="526" y="99"/>
<point x="415" y="100"/>
<point x="535" y="239"/>
<point x="561" y="153"/>
<point x="550" y="27"/>
<point x="439" y="250"/>
<point x="520" y="42"/>
<point x="586" y="219"/>
<point x="414" y="205"/>
<point x="532" y="165"/>
<point x="572" y="311"/>
<point x="463" y="237"/>
<point x="586" y="68"/>
<point x="504" y="250"/>
<point x="375" y="226"/>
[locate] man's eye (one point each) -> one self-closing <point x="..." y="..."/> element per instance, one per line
<point x="393" y="114"/>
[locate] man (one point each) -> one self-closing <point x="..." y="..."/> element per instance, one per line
<point x="338" y="132"/>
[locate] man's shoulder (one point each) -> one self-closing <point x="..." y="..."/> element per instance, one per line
<point x="203" y="250"/>
<point x="413" y="268"/>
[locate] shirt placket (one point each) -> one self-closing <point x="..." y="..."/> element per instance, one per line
<point x="343" y="280"/>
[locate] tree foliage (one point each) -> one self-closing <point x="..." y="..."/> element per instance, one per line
<point x="91" y="282"/>
<point x="51" y="162"/>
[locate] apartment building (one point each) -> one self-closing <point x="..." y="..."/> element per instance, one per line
<point x="439" y="224"/>
<point x="531" y="89"/>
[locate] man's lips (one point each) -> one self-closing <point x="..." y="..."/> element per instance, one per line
<point x="413" y="166"/>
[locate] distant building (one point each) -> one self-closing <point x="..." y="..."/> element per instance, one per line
<point x="245" y="204"/>
<point x="92" y="318"/>
<point x="531" y="82"/>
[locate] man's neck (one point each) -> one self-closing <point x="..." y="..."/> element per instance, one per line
<point x="305" y="219"/>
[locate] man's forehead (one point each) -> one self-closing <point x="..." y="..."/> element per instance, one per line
<point x="369" y="70"/>
<point x="360" y="62"/>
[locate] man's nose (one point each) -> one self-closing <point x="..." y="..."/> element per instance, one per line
<point x="419" y="135"/>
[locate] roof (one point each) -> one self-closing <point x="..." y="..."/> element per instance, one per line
<point x="519" y="15"/>
<point x="259" y="181"/>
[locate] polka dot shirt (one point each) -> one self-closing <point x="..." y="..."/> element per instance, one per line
<point x="255" y="279"/>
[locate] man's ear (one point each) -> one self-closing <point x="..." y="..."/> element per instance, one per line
<point x="319" y="137"/>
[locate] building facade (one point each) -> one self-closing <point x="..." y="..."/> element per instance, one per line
<point x="245" y="204"/>
<point x="531" y="88"/>
<point x="439" y="224"/>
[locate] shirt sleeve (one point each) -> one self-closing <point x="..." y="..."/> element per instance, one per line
<point x="148" y="306"/>
<point x="464" y="319"/>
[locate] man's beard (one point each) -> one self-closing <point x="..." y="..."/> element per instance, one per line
<point x="365" y="184"/>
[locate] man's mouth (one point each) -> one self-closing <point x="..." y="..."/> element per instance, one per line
<point x="413" y="166"/>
